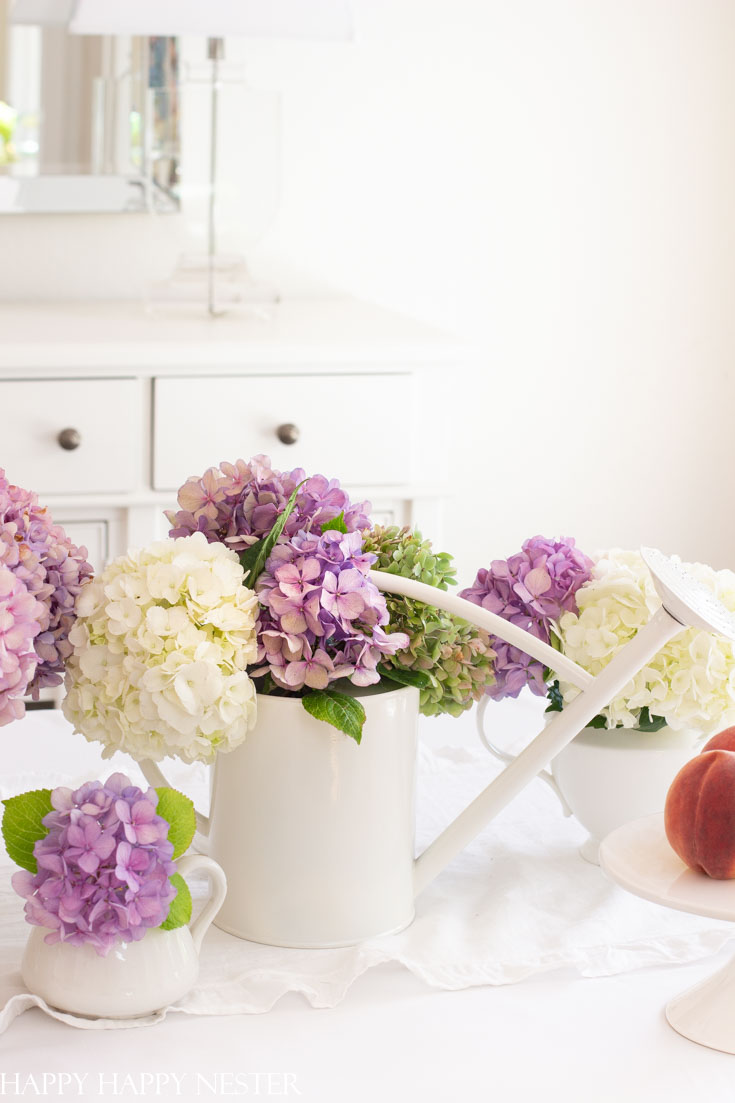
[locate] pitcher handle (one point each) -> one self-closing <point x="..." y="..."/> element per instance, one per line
<point x="218" y="891"/>
<point x="154" y="776"/>
<point x="506" y="757"/>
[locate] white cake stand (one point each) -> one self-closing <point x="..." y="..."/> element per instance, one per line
<point x="639" y="858"/>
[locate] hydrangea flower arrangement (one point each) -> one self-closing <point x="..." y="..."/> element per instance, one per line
<point x="322" y="618"/>
<point x="588" y="608"/>
<point x="531" y="589"/>
<point x="690" y="683"/>
<point x="98" y="863"/>
<point x="41" y="574"/>
<point x="307" y="550"/>
<point x="238" y="504"/>
<point x="160" y="668"/>
<point x="455" y="657"/>
<point x="20" y="622"/>
<point x="161" y="646"/>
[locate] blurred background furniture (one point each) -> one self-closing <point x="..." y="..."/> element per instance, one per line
<point x="113" y="408"/>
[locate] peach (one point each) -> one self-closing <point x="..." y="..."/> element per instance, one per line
<point x="699" y="816"/>
<point x="723" y="741"/>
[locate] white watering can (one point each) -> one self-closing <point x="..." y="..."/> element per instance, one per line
<point x="316" y="833"/>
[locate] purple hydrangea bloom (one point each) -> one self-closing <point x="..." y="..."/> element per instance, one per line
<point x="322" y="617"/>
<point x="531" y="589"/>
<point x="140" y="822"/>
<point x="237" y="504"/>
<point x="40" y="555"/>
<point x="21" y="616"/>
<point x="104" y="867"/>
<point x="89" y="844"/>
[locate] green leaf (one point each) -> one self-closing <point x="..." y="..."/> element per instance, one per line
<point x="179" y="913"/>
<point x="556" y="701"/>
<point x="253" y="558"/>
<point x="337" y="709"/>
<point x="249" y="556"/>
<point x="648" y="723"/>
<point x="22" y="825"/>
<point x="178" y="812"/>
<point x="405" y="677"/>
<point x="337" y="523"/>
<point x="267" y="685"/>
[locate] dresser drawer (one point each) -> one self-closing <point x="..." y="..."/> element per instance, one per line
<point x="356" y="428"/>
<point x="105" y="413"/>
<point x="92" y="535"/>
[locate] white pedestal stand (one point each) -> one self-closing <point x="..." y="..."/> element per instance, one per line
<point x="639" y="858"/>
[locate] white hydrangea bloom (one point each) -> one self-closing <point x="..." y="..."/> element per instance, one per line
<point x="161" y="643"/>
<point x="690" y="682"/>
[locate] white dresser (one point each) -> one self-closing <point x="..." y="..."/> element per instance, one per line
<point x="107" y="408"/>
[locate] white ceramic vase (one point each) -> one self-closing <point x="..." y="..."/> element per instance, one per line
<point x="136" y="978"/>
<point x="607" y="777"/>
<point x="315" y="832"/>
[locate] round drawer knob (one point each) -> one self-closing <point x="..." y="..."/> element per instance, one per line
<point x="288" y="433"/>
<point x="69" y="439"/>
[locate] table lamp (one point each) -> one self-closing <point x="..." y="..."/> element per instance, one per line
<point x="310" y="20"/>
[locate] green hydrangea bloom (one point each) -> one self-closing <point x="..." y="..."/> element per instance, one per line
<point x="456" y="655"/>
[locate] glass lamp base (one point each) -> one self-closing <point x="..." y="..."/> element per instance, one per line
<point x="221" y="284"/>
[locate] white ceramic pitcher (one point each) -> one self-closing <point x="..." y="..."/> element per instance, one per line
<point x="315" y="833"/>
<point x="136" y="978"/>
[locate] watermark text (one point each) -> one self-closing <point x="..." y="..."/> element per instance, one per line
<point x="206" y="1085"/>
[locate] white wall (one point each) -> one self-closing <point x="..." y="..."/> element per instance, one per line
<point x="552" y="179"/>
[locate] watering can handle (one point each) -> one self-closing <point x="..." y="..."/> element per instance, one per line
<point x="505" y="757"/>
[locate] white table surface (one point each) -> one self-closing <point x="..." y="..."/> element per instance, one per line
<point x="553" y="1037"/>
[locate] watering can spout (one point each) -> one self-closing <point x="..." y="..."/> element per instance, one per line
<point x="685" y="602"/>
<point x="539" y="753"/>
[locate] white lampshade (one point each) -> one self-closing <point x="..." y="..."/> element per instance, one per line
<point x="318" y="20"/>
<point x="49" y="13"/>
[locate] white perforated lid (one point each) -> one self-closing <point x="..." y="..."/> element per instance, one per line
<point x="685" y="598"/>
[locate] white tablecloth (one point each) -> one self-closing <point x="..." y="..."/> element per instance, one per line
<point x="518" y="903"/>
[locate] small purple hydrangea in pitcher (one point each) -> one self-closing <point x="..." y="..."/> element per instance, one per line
<point x="103" y="881"/>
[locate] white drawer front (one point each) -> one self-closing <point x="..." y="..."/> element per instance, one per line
<point x="93" y="535"/>
<point x="104" y="412"/>
<point x="358" y="428"/>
